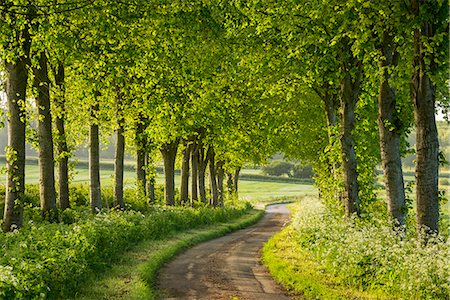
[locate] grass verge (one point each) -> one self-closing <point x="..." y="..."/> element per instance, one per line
<point x="321" y="257"/>
<point x="301" y="275"/>
<point x="135" y="275"/>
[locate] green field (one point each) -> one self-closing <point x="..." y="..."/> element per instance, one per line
<point x="248" y="189"/>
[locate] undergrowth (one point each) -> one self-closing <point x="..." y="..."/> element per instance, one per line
<point x="44" y="260"/>
<point x="360" y="259"/>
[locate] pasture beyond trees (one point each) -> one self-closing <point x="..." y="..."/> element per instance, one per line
<point x="212" y="86"/>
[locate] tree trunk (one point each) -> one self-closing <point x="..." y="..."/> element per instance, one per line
<point x="16" y="85"/>
<point x="389" y="124"/>
<point x="47" y="193"/>
<point x="212" y="177"/>
<point x="63" y="149"/>
<point x="236" y="180"/>
<point x="194" y="171"/>
<point x="119" y="155"/>
<point x="230" y="184"/>
<point x="94" y="161"/>
<point x="349" y="97"/>
<point x="140" y="157"/>
<point x="150" y="179"/>
<point x="202" y="164"/>
<point x="220" y="178"/>
<point x="184" y="187"/>
<point x="169" y="153"/>
<point x="331" y="102"/>
<point x="427" y="145"/>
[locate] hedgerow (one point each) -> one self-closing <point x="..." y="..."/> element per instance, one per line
<point x="42" y="259"/>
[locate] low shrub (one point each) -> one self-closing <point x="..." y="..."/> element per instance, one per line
<point x="43" y="260"/>
<point x="370" y="256"/>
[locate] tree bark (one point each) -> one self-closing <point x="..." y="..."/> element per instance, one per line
<point x="331" y="103"/>
<point x="389" y="124"/>
<point x="194" y="171"/>
<point x="212" y="177"/>
<point x="63" y="149"/>
<point x="202" y="164"/>
<point x="16" y="85"/>
<point x="349" y="97"/>
<point x="94" y="161"/>
<point x="119" y="155"/>
<point x="47" y="193"/>
<point x="140" y="157"/>
<point x="220" y="178"/>
<point x="230" y="184"/>
<point x="184" y="186"/>
<point x="150" y="179"/>
<point x="236" y="180"/>
<point x="169" y="153"/>
<point x="427" y="146"/>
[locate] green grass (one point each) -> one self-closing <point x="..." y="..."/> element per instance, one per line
<point x="135" y="275"/>
<point x="52" y="260"/>
<point x="321" y="257"/>
<point x="301" y="275"/>
<point x="248" y="189"/>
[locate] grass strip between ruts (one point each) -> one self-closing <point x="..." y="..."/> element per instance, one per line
<point x="134" y="277"/>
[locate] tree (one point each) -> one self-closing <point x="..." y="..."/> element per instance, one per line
<point x="61" y="139"/>
<point x="185" y="161"/>
<point x="119" y="153"/>
<point x="16" y="46"/>
<point x="94" y="158"/>
<point x="41" y="84"/>
<point x="169" y="153"/>
<point x="430" y="47"/>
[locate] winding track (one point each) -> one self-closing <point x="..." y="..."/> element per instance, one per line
<point x="228" y="267"/>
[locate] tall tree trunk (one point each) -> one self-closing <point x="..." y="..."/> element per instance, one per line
<point x="184" y="186"/>
<point x="220" y="178"/>
<point x="423" y="93"/>
<point x="47" y="193"/>
<point x="230" y="184"/>
<point x="150" y="178"/>
<point x="16" y="85"/>
<point x="169" y="153"/>
<point x="94" y="161"/>
<point x="349" y="97"/>
<point x="212" y="177"/>
<point x="140" y="157"/>
<point x="62" y="148"/>
<point x="236" y="180"/>
<point x="202" y="164"/>
<point x="389" y="124"/>
<point x="194" y="171"/>
<point x="119" y="155"/>
<point x="331" y="103"/>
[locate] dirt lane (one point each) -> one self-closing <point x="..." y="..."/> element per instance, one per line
<point x="227" y="267"/>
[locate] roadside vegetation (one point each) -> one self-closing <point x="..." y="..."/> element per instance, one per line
<point x="45" y="259"/>
<point x="135" y="275"/>
<point x="201" y="89"/>
<point x="321" y="257"/>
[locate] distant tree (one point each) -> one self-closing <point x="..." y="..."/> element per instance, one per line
<point x="278" y="168"/>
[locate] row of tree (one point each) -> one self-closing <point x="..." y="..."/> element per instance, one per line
<point x="158" y="74"/>
<point x="222" y="82"/>
<point x="351" y="53"/>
